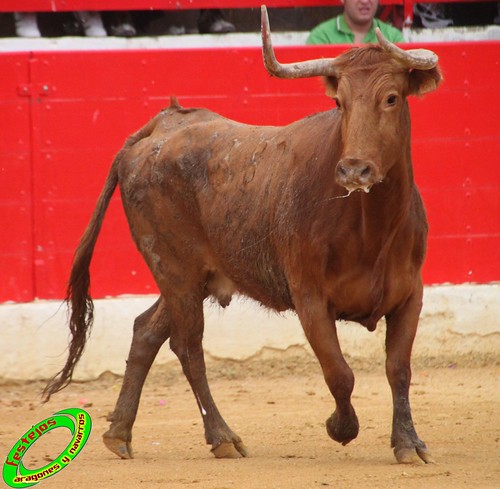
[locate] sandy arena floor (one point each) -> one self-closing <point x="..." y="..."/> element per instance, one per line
<point x="278" y="406"/>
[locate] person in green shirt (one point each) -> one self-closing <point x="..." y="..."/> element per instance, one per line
<point x="356" y="25"/>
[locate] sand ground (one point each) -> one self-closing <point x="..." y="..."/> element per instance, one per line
<point x="278" y="406"/>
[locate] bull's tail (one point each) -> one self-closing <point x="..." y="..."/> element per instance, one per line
<point x="78" y="297"/>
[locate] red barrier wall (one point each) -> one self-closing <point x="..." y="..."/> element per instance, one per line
<point x="65" y="114"/>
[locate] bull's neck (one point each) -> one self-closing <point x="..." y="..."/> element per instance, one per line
<point x="388" y="202"/>
<point x="383" y="213"/>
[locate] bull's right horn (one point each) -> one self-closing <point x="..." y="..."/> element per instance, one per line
<point x="303" y="69"/>
<point x="418" y="59"/>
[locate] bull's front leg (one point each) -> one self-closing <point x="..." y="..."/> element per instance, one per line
<point x="401" y="330"/>
<point x="320" y="329"/>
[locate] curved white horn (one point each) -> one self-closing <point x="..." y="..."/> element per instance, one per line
<point x="303" y="69"/>
<point x="419" y="59"/>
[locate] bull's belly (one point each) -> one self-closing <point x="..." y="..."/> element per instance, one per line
<point x="255" y="274"/>
<point x="250" y="263"/>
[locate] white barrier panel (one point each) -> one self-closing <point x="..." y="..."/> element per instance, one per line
<point x="456" y="320"/>
<point x="237" y="39"/>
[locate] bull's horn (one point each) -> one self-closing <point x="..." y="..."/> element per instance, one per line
<point x="303" y="69"/>
<point x="418" y="59"/>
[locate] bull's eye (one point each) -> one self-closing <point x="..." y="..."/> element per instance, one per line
<point x="391" y="100"/>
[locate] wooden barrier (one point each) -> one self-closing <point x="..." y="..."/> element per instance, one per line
<point x="65" y="115"/>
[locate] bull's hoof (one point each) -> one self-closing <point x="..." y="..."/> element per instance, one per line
<point x="119" y="447"/>
<point x="230" y="450"/>
<point x="343" y="429"/>
<point x="406" y="455"/>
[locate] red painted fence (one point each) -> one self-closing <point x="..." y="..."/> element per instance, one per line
<point x="65" y="114"/>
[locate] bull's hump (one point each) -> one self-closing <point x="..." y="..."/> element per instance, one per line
<point x="174" y="103"/>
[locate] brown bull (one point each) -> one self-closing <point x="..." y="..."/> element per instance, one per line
<point x="321" y="217"/>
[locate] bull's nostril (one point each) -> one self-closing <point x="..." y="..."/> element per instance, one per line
<point x="366" y="172"/>
<point x="341" y="171"/>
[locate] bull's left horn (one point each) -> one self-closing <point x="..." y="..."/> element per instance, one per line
<point x="303" y="69"/>
<point x="418" y="59"/>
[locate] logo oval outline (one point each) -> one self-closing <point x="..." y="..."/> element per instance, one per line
<point x="77" y="420"/>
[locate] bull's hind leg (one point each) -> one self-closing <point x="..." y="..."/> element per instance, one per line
<point x="401" y="329"/>
<point x="151" y="330"/>
<point x="186" y="343"/>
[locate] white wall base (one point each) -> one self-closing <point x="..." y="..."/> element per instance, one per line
<point x="456" y="320"/>
<point x="237" y="39"/>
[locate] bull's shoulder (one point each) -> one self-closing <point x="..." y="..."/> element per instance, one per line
<point x="419" y="227"/>
<point x="418" y="214"/>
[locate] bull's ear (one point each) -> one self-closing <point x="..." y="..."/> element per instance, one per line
<point x="331" y="85"/>
<point x="424" y="81"/>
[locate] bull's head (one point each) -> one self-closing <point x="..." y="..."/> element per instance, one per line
<point x="370" y="87"/>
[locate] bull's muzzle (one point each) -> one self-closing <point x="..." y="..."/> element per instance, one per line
<point x="357" y="174"/>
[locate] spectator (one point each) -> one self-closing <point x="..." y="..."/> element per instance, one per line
<point x="160" y="22"/>
<point x="356" y="25"/>
<point x="212" y="21"/>
<point x="432" y="15"/>
<point x="92" y="23"/>
<point x="119" y="23"/>
<point x="26" y="24"/>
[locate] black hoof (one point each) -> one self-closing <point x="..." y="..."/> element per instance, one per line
<point x="343" y="429"/>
